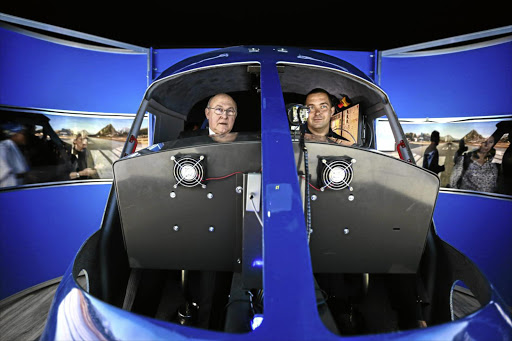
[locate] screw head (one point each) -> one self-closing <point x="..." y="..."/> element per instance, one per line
<point x="173" y="195"/>
<point x="346" y="231"/>
<point x="211" y="229"/>
<point x="209" y="195"/>
<point x="350" y="197"/>
<point x="239" y="189"/>
<point x="314" y="197"/>
<point x="176" y="228"/>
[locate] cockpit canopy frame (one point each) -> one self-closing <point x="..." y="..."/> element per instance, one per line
<point x="178" y="98"/>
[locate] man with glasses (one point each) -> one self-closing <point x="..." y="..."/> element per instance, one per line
<point x="221" y="112"/>
<point x="321" y="109"/>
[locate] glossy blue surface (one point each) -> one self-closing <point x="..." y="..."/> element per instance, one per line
<point x="363" y="60"/>
<point x="260" y="53"/>
<point x="290" y="307"/>
<point x="165" y="58"/>
<point x="486" y="238"/>
<point x="284" y="223"/>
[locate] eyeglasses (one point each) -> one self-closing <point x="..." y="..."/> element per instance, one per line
<point x="219" y="111"/>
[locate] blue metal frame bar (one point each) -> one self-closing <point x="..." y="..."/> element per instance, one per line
<point x="288" y="277"/>
<point x="376" y="66"/>
<point x="62" y="112"/>
<point x="447" y="41"/>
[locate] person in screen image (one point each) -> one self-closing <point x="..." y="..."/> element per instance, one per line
<point x="462" y="149"/>
<point x="505" y="169"/>
<point x="431" y="155"/>
<point x="82" y="163"/>
<point x="476" y="171"/>
<point x="13" y="165"/>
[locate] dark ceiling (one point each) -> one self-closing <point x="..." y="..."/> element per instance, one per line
<point x="327" y="24"/>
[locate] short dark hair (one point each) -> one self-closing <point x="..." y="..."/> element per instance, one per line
<point x="434" y="137"/>
<point x="322" y="91"/>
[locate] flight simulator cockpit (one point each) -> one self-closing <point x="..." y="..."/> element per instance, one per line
<point x="190" y="235"/>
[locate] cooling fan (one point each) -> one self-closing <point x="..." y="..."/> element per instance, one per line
<point x="335" y="174"/>
<point x="189" y="171"/>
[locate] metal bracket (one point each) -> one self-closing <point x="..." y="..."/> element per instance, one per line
<point x="253" y="192"/>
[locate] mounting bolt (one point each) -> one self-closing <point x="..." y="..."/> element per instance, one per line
<point x="173" y="158"/>
<point x="351" y="197"/>
<point x="314" y="197"/>
<point x="173" y="195"/>
<point x="239" y="189"/>
<point x="176" y="228"/>
<point x="209" y="195"/>
<point x="211" y="229"/>
<point x="239" y="261"/>
<point x="346" y="230"/>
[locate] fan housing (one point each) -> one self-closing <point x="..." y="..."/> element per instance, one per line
<point x="189" y="170"/>
<point x="335" y="173"/>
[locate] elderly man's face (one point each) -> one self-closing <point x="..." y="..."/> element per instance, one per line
<point x="223" y="105"/>
<point x="319" y="117"/>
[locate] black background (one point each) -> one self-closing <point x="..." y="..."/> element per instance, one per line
<point x="366" y="26"/>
